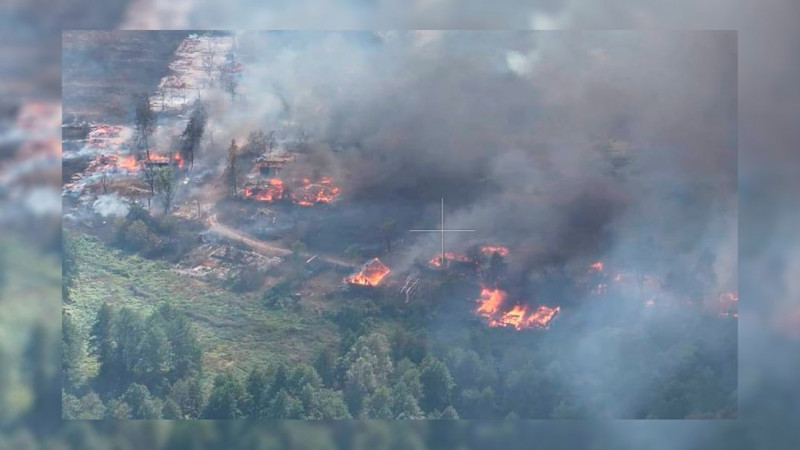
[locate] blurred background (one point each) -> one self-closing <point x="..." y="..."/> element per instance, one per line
<point x="30" y="216"/>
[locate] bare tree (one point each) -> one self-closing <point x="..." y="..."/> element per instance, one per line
<point x="389" y="232"/>
<point x="256" y="143"/>
<point x="193" y="134"/>
<point x="271" y="142"/>
<point x="104" y="182"/>
<point x="231" y="169"/>
<point x="145" y="122"/>
<point x="303" y="140"/>
<point x="230" y="82"/>
<point x="208" y="65"/>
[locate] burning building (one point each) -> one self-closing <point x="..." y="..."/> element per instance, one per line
<point x="264" y="191"/>
<point x="309" y="194"/>
<point x="273" y="163"/>
<point x="306" y="194"/>
<point x="452" y="260"/>
<point x="371" y="274"/>
<point x="157" y="160"/>
<point x="727" y="305"/>
<point x="490" y="306"/>
<point x="520" y="317"/>
<point x="489" y="250"/>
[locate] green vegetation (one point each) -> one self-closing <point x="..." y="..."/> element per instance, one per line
<point x="235" y="330"/>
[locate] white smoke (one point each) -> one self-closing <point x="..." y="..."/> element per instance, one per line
<point x="110" y="205"/>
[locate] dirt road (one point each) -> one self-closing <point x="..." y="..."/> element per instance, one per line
<point x="267" y="248"/>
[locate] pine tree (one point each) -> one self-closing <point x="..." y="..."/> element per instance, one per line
<point x="127" y="331"/>
<point x="72" y="352"/>
<point x="257" y="388"/>
<point x="325" y="365"/>
<point x="323" y="404"/>
<point x="301" y="376"/>
<point x="186" y="351"/>
<point x="144" y="122"/>
<point x="141" y="403"/>
<point x="285" y="406"/>
<point x="193" y="134"/>
<point x="437" y="384"/>
<point x="188" y="394"/>
<point x="231" y="172"/>
<point x="378" y="406"/>
<point x="153" y="362"/>
<point x="92" y="407"/>
<point x="101" y="341"/>
<point x="226" y="399"/>
<point x="171" y="410"/>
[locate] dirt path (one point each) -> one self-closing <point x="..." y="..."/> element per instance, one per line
<point x="264" y="247"/>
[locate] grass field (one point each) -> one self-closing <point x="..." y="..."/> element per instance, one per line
<point x="236" y="330"/>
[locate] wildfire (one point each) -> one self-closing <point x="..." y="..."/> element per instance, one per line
<point x="309" y="194"/>
<point x="178" y="160"/>
<point x="128" y="163"/>
<point x="449" y="257"/>
<point x="268" y="192"/>
<point x="371" y="274"/>
<point x="490" y="302"/>
<point x="596" y="266"/>
<point x="727" y="304"/>
<point x="104" y="136"/>
<point x="518" y="317"/>
<point x="489" y="250"/>
<point x="157" y="159"/>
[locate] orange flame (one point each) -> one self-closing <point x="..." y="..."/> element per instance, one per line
<point x="436" y="261"/>
<point x="728" y="303"/>
<point x="128" y="163"/>
<point x="272" y="191"/>
<point x="596" y="266"/>
<point x="518" y="317"/>
<point x="490" y="301"/>
<point x="309" y="194"/>
<point x="370" y="275"/>
<point x="178" y="159"/>
<point x="156" y="158"/>
<point x="489" y="250"/>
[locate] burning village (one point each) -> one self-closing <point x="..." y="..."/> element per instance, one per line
<point x="401" y="225"/>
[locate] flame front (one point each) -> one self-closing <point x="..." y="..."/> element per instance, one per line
<point x="490" y="301"/>
<point x="596" y="266"/>
<point x="519" y="316"/>
<point x="272" y="191"/>
<point x="306" y="194"/>
<point x="309" y="194"/>
<point x="728" y="303"/>
<point x="370" y="275"/>
<point x="436" y="261"/>
<point x="489" y="250"/>
<point x="128" y="163"/>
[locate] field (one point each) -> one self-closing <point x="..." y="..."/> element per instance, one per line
<point x="236" y="330"/>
